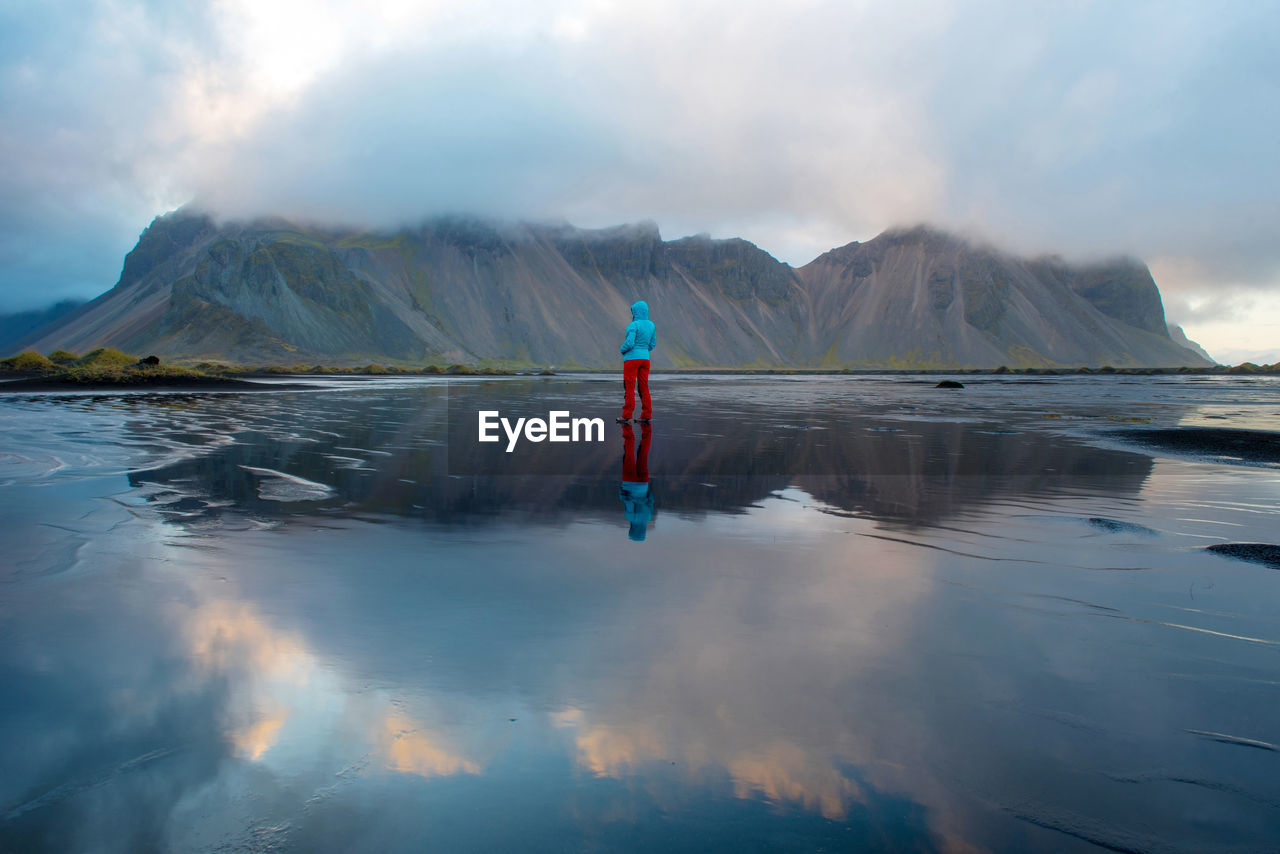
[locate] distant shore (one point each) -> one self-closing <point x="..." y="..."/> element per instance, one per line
<point x="105" y="369"/>
<point x="108" y="370"/>
<point x="1220" y="370"/>
<point x="159" y="383"/>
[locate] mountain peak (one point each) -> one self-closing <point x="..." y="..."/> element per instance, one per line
<point x="464" y="289"/>
<point x="920" y="233"/>
<point x="1180" y="338"/>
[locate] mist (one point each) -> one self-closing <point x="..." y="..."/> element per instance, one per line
<point x="1089" y="130"/>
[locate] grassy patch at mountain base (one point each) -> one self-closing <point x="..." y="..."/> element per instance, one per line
<point x="105" y="358"/>
<point x="27" y="361"/>
<point x="131" y="374"/>
<point x="101" y="367"/>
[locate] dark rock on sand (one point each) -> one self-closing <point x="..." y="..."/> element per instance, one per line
<point x="1247" y="445"/>
<point x="1115" y="526"/>
<point x="1263" y="553"/>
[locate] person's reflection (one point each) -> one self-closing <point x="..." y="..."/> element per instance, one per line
<point x="637" y="498"/>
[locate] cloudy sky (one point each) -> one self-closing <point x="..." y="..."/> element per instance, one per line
<point x="1083" y="128"/>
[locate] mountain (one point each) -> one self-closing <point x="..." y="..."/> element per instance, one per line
<point x="465" y="290"/>
<point x="1180" y="338"/>
<point x="921" y="298"/>
<point x="22" y="324"/>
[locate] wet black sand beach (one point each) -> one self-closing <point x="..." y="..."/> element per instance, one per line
<point x="865" y="614"/>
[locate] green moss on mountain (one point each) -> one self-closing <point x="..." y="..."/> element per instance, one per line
<point x="134" y="374"/>
<point x="105" y="358"/>
<point x="27" y="360"/>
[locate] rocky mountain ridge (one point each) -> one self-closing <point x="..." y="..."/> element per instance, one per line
<point x="16" y="326"/>
<point x="459" y="289"/>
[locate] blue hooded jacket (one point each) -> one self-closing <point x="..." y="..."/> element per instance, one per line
<point x="642" y="335"/>
<point x="637" y="506"/>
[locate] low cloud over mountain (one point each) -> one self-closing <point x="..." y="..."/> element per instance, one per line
<point x="468" y="290"/>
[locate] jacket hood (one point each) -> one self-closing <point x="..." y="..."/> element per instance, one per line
<point x="640" y="310"/>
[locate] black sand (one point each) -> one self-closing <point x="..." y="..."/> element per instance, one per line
<point x="1263" y="553"/>
<point x="1249" y="445"/>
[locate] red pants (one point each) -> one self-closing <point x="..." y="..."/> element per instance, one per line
<point x="636" y="371"/>
<point x="635" y="464"/>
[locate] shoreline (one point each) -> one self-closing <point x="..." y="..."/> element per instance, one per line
<point x="184" y="384"/>
<point x="249" y="381"/>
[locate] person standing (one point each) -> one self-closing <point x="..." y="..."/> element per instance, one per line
<point x="642" y="338"/>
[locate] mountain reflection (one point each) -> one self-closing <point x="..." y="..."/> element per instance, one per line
<point x="412" y="453"/>
<point x="316" y="622"/>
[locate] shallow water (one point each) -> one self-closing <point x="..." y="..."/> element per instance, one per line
<point x="868" y="615"/>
